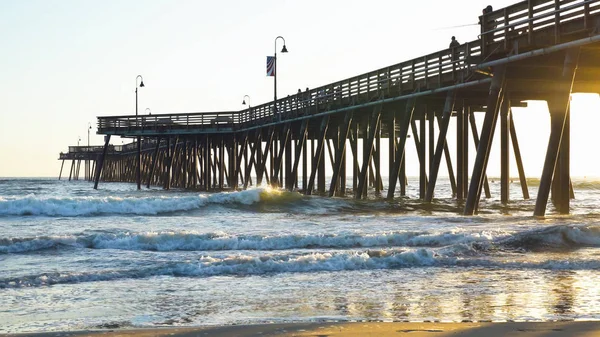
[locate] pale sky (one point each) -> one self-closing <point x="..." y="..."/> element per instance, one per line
<point x="64" y="62"/>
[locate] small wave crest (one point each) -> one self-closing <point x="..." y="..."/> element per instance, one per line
<point x="89" y="206"/>
<point x="241" y="265"/>
<point x="190" y="241"/>
<point x="555" y="238"/>
<point x="461" y="255"/>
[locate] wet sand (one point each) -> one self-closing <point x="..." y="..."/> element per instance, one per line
<point x="520" y="329"/>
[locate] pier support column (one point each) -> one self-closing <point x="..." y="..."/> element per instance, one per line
<point x="337" y="164"/>
<point x="319" y="154"/>
<point x="465" y="184"/>
<point x="254" y="153"/>
<point x="460" y="138"/>
<point x="321" y="167"/>
<point x="559" y="106"/>
<point x="448" y="158"/>
<point x="354" y="146"/>
<point x="72" y="169"/>
<point x="517" y="152"/>
<point x="195" y="170"/>
<point x="369" y="139"/>
<point x="299" y="150"/>
<point x="288" y="162"/>
<point x="487" y="134"/>
<point x="101" y="161"/>
<point x="377" y="160"/>
<point x="138" y="172"/>
<point x="305" y="159"/>
<point x="153" y="165"/>
<point x="486" y="185"/>
<point x="61" y="168"/>
<point x="396" y="172"/>
<point x="423" y="156"/>
<point x="207" y="177"/>
<point x="441" y="144"/>
<point x="504" y="150"/>
<point x="391" y="152"/>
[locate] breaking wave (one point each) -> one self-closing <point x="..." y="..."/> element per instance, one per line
<point x="189" y="241"/>
<point x="555" y="238"/>
<point x="559" y="237"/>
<point x="459" y="255"/>
<point x="90" y="206"/>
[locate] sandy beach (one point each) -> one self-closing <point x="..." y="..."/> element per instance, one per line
<point x="521" y="329"/>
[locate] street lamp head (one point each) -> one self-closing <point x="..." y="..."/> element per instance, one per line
<point x="141" y="81"/>
<point x="284" y="49"/>
<point x="244" y="102"/>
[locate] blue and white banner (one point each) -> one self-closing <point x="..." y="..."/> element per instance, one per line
<point x="270" y="66"/>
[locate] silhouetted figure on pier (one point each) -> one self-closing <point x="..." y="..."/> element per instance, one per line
<point x="490" y="25"/>
<point x="453" y="48"/>
<point x="454" y="43"/>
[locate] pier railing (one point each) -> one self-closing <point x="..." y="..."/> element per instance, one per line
<point x="527" y="17"/>
<point x="430" y="71"/>
<point x="449" y="66"/>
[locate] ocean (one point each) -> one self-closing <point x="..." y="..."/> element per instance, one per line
<point x="74" y="258"/>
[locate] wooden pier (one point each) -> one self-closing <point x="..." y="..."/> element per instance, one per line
<point x="532" y="50"/>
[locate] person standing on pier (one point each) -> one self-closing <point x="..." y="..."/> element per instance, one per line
<point x="453" y="49"/>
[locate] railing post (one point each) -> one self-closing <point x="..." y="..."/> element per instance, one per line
<point x="506" y="29"/>
<point x="530" y="26"/>
<point x="556" y="22"/>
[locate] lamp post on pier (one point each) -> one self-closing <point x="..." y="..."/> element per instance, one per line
<point x="283" y="50"/>
<point x="244" y="103"/>
<point x="89" y="128"/>
<point x="244" y="100"/>
<point x="139" y="143"/>
<point x="141" y="85"/>
<point x="78" y="140"/>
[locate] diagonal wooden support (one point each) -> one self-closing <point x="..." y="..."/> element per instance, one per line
<point x="288" y="161"/>
<point x="559" y="112"/>
<point x="240" y="156"/>
<point x="399" y="155"/>
<point x="337" y="164"/>
<point x="253" y="151"/>
<point x="437" y="156"/>
<point x="61" y="168"/>
<point x="486" y="185"/>
<point x="154" y="156"/>
<point x="448" y="158"/>
<point x="421" y="155"/>
<point x="487" y="133"/>
<point x="329" y="151"/>
<point x="318" y="155"/>
<point x="367" y="156"/>
<point x="100" y="162"/>
<point x="265" y="155"/>
<point x="279" y="156"/>
<point x="299" y="149"/>
<point x="517" y="151"/>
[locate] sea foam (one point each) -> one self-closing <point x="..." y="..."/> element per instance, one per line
<point x="89" y="206"/>
<point x="192" y="241"/>
<point x="287" y="262"/>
